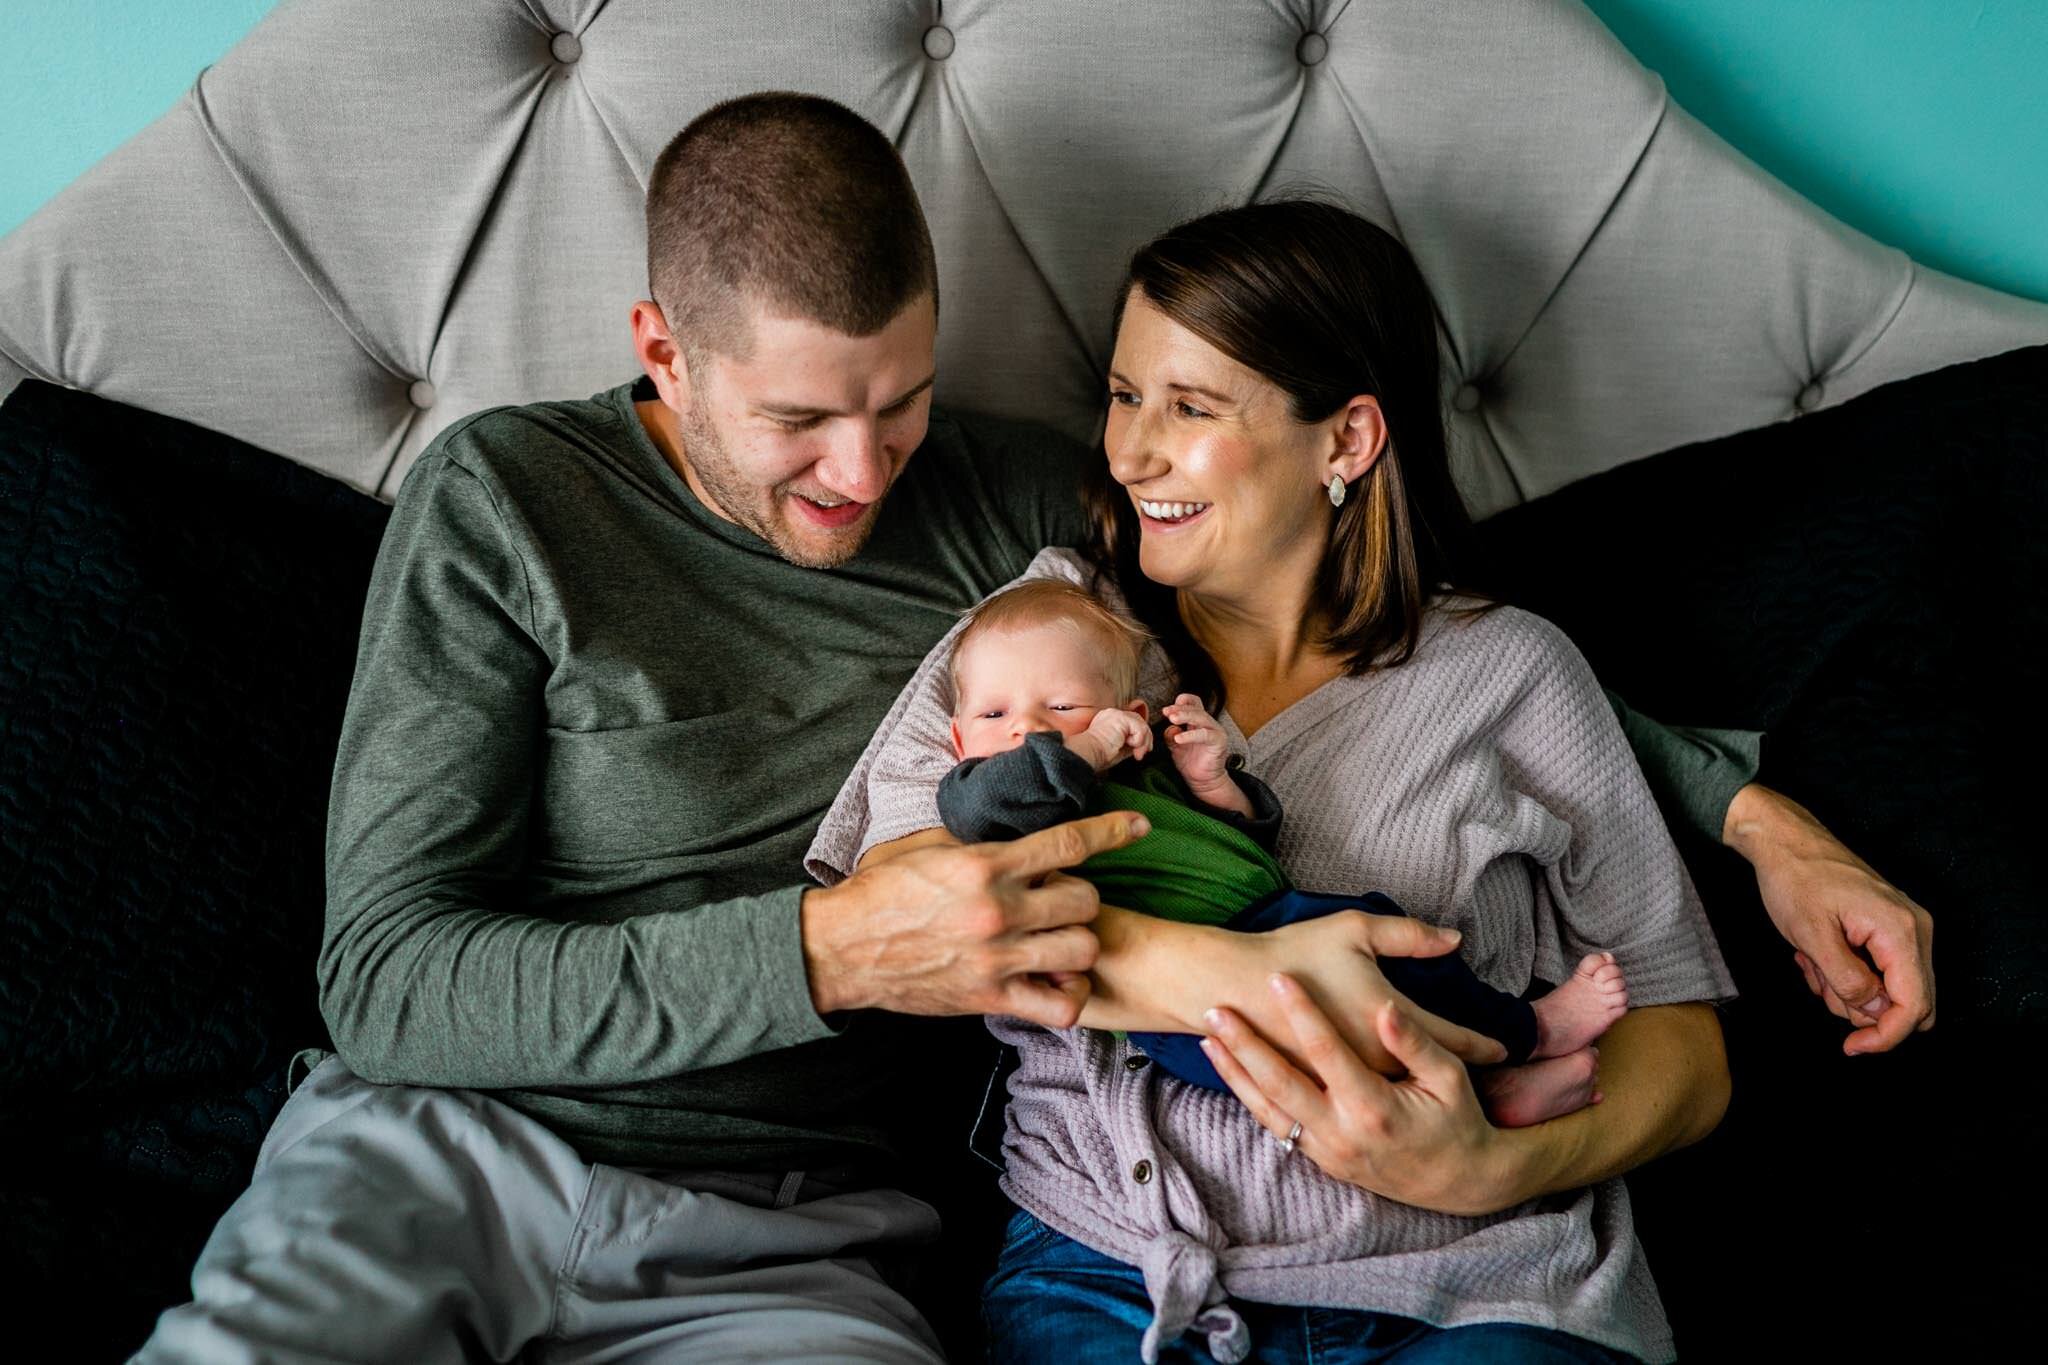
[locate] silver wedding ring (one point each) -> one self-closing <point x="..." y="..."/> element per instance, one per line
<point x="1287" y="1143"/>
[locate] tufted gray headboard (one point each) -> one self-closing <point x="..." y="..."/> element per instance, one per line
<point x="372" y="218"/>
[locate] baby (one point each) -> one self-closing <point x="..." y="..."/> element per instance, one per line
<point x="1048" y="726"/>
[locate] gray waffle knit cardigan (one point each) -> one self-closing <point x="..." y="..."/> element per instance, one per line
<point x="1484" y="784"/>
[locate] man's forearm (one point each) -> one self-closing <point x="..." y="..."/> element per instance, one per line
<point x="1757" y="816"/>
<point x="431" y="969"/>
<point x="1695" y="773"/>
<point x="1664" y="1072"/>
<point x="434" y="991"/>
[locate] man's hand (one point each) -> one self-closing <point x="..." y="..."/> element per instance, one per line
<point x="974" y="929"/>
<point x="1834" y="910"/>
<point x="1112" y="736"/>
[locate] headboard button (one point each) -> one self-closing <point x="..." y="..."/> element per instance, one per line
<point x="1466" y="399"/>
<point x="1810" y="397"/>
<point x="566" y="47"/>
<point x="938" y="42"/>
<point x="1312" y="48"/>
<point x="421" y="393"/>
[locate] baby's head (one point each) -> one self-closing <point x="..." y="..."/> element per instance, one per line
<point x="1044" y="655"/>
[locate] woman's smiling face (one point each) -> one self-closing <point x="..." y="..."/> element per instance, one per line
<point x="1225" y="481"/>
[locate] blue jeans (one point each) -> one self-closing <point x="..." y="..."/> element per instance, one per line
<point x="1052" y="1298"/>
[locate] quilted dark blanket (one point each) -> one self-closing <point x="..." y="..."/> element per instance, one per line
<point x="1866" y="586"/>
<point x="178" y="616"/>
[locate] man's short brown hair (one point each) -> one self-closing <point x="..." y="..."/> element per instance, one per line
<point x="789" y="200"/>
<point x="1053" y="601"/>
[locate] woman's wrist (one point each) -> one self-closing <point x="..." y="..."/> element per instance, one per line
<point x="1153" y="974"/>
<point x="1520" y="1164"/>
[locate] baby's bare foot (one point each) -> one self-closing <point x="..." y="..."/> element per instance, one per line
<point x="1580" y="1010"/>
<point x="1517" y="1096"/>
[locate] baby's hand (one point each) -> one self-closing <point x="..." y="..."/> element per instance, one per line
<point x="1111" y="737"/>
<point x="1199" y="750"/>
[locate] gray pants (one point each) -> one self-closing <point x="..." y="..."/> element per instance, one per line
<point x="399" y="1223"/>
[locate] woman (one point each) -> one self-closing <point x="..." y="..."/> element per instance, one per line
<point x="1278" y="511"/>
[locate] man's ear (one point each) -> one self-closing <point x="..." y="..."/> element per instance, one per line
<point x="1137" y="704"/>
<point x="661" y="356"/>
<point x="959" y="749"/>
<point x="1359" y="429"/>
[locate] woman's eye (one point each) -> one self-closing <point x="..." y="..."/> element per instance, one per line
<point x="1123" y="396"/>
<point x="1187" y="409"/>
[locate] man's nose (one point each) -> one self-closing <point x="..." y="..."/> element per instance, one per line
<point x="857" y="466"/>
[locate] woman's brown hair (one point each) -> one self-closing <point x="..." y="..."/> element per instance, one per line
<point x="1325" y="306"/>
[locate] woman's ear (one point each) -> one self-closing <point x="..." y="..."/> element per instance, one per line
<point x="1359" y="429"/>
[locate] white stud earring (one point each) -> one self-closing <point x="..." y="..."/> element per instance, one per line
<point x="1336" y="491"/>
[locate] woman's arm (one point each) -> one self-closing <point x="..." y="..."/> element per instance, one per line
<point x="1664" y="1077"/>
<point x="1616" y="884"/>
<point x="1163" y="976"/>
<point x="1424" y="1140"/>
<point x="1159" y="976"/>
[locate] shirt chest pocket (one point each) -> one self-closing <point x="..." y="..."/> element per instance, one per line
<point x="678" y="788"/>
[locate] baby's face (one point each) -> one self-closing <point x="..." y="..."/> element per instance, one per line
<point x="1015" y="681"/>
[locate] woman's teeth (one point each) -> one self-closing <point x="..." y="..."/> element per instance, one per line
<point x="1171" y="511"/>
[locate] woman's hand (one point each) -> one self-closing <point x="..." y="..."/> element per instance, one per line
<point x="1334" y="959"/>
<point x="1834" y="909"/>
<point x="1422" y="1139"/>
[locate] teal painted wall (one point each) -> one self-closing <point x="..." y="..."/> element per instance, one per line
<point x="1922" y="122"/>
<point x="78" y="77"/>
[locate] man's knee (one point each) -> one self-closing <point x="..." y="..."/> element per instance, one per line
<point x="383" y="1222"/>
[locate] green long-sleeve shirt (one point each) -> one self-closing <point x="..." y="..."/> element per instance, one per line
<point x="1693" y="771"/>
<point x="593" y="729"/>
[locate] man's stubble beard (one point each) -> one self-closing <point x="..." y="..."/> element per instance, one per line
<point x="755" y="508"/>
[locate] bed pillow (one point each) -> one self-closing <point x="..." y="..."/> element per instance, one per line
<point x="1864" y="584"/>
<point x="178" y="619"/>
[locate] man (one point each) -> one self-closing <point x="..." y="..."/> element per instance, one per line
<point x="610" y="1077"/>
